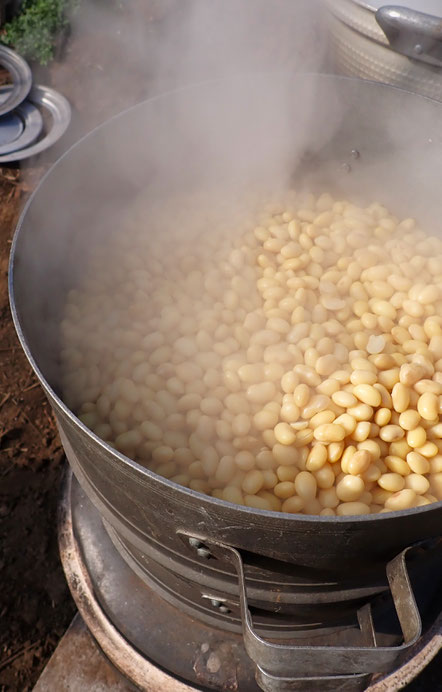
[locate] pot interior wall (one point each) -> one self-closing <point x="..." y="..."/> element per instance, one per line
<point x="263" y="129"/>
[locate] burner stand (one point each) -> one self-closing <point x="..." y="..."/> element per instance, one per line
<point x="141" y="634"/>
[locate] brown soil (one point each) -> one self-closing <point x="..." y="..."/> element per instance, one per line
<point x="35" y="606"/>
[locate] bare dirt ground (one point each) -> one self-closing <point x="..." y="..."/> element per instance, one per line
<point x="35" y="605"/>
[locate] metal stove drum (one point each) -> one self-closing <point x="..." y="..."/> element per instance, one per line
<point x="209" y="594"/>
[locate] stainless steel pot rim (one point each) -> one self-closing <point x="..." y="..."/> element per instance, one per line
<point x="32" y="122"/>
<point x="126" y="461"/>
<point x="21" y="75"/>
<point x="426" y="6"/>
<point x="60" y="111"/>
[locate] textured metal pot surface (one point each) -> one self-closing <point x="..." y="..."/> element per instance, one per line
<point x="403" y="57"/>
<point x="398" y="140"/>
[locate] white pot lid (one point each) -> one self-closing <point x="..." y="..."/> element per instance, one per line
<point x="433" y="7"/>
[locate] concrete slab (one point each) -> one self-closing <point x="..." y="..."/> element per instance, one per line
<point x="78" y="665"/>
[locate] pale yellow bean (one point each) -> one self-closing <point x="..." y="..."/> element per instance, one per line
<point x="416" y="437"/>
<point x="401" y="397"/>
<point x="409" y="419"/>
<point x="373" y="447"/>
<point x="418" y="483"/>
<point x="362" y="431"/>
<point x="399" y="448"/>
<point x="328" y="498"/>
<point x="334" y="451"/>
<point x="261" y="393"/>
<point x="428" y="406"/>
<point x="301" y="395"/>
<point x="321" y="418"/>
<point x="344" y="399"/>
<point x="293" y="505"/>
<point x="265" y="419"/>
<point x="361" y="412"/>
<point x="435" y="464"/>
<point x="284" y="489"/>
<point x="286" y="473"/>
<point x="285" y="455"/>
<point x="326" y="365"/>
<point x="391" y="481"/>
<point x="325" y="476"/>
<point x="349" y="508"/>
<point x="316" y="458"/>
<point x="245" y="460"/>
<point x="289" y="381"/>
<point x="382" y="416"/>
<point x="284" y="434"/>
<point x="303" y="437"/>
<point x="347" y="422"/>
<point x="397" y="465"/>
<point x="270" y="478"/>
<point x="360" y="377"/>
<point x="418" y="463"/>
<point x="253" y="482"/>
<point x="436" y="485"/>
<point x="329" y="432"/>
<point x="257" y="502"/>
<point x="391" y="433"/>
<point x="350" y="488"/>
<point x="305" y="485"/>
<point x="359" y="462"/>
<point x="404" y="499"/>
<point x="316" y="404"/>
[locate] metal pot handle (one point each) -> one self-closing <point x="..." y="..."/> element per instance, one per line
<point x="411" y="33"/>
<point x="288" y="668"/>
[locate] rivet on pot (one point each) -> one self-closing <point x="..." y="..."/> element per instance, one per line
<point x="203" y="552"/>
<point x="220" y="605"/>
<point x="195" y="543"/>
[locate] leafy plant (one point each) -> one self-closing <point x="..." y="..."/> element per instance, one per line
<point x="34" y="31"/>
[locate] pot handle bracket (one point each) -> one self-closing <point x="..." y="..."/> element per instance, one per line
<point x="414" y="34"/>
<point x="288" y="668"/>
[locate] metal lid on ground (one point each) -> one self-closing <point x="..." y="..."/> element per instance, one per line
<point x="59" y="110"/>
<point x="21" y="127"/>
<point x="21" y="77"/>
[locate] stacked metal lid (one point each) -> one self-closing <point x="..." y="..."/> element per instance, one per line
<point x="32" y="117"/>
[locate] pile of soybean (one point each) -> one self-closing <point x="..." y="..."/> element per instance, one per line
<point x="292" y="363"/>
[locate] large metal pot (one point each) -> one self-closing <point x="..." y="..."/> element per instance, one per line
<point x="399" y="44"/>
<point x="360" y="140"/>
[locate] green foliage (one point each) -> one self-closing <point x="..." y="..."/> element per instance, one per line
<point x="34" y="31"/>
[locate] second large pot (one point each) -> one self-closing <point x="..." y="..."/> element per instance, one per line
<point x="399" y="44"/>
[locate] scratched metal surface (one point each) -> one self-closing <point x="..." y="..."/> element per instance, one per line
<point x="78" y="665"/>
